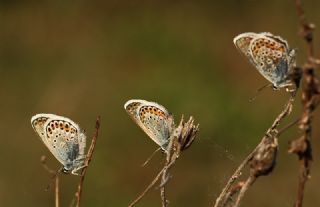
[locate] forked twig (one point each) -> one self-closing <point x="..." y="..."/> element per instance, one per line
<point x="154" y="181"/>
<point x="170" y="160"/>
<point x="181" y="138"/>
<point x="233" y="192"/>
<point x="87" y="161"/>
<point x="56" y="178"/>
<point x="270" y="134"/>
<point x="244" y="189"/>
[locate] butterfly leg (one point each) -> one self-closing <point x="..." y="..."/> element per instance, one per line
<point x="76" y="170"/>
<point x="80" y="162"/>
<point x="291" y="88"/>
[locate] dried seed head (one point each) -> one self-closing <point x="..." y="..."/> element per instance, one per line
<point x="185" y="133"/>
<point x="264" y="159"/>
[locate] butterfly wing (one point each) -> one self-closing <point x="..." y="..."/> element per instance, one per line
<point x="242" y="43"/>
<point x="270" y="54"/>
<point x="37" y="123"/>
<point x="152" y="119"/>
<point x="64" y="139"/>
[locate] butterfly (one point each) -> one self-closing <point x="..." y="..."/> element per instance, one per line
<point x="152" y="118"/>
<point x="270" y="54"/>
<point x="64" y="138"/>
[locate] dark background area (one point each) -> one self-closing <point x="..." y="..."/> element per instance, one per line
<point x="81" y="59"/>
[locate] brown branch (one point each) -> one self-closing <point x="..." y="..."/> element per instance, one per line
<point x="244" y="189"/>
<point x="87" y="161"/>
<point x="171" y="158"/>
<point x="285" y="128"/>
<point x="233" y="192"/>
<point x="43" y="160"/>
<point x="154" y="181"/>
<point x="164" y="178"/>
<point x="181" y="139"/>
<point x="222" y="198"/>
<point x="264" y="146"/>
<point x="57" y="191"/>
<point x="310" y="100"/>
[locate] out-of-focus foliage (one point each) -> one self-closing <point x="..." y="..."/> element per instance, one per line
<point x="81" y="59"/>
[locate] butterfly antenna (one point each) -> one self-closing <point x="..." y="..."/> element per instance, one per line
<point x="150" y="157"/>
<point x="258" y="92"/>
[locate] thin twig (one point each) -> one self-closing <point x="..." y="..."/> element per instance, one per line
<point x="164" y="177"/>
<point x="154" y="181"/>
<point x="233" y="192"/>
<point x="222" y="197"/>
<point x="244" y="189"/>
<point x="271" y="132"/>
<point x="302" y="145"/>
<point x="285" y="128"/>
<point x="87" y="161"/>
<point x="170" y="161"/>
<point x="55" y="176"/>
<point x="57" y="191"/>
<point x="181" y="139"/>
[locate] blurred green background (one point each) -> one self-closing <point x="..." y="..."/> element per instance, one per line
<point x="81" y="59"/>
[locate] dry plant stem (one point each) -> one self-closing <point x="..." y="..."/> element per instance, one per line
<point x="163" y="189"/>
<point x="233" y="192"/>
<point x="222" y="197"/>
<point x="244" y="189"/>
<point x="87" y="161"/>
<point x="171" y="159"/>
<point x="285" y="128"/>
<point x="56" y="192"/>
<point x="272" y="131"/>
<point x="181" y="138"/>
<point x="56" y="182"/>
<point x="164" y="174"/>
<point x="310" y="102"/>
<point x="164" y="180"/>
<point x="154" y="181"/>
